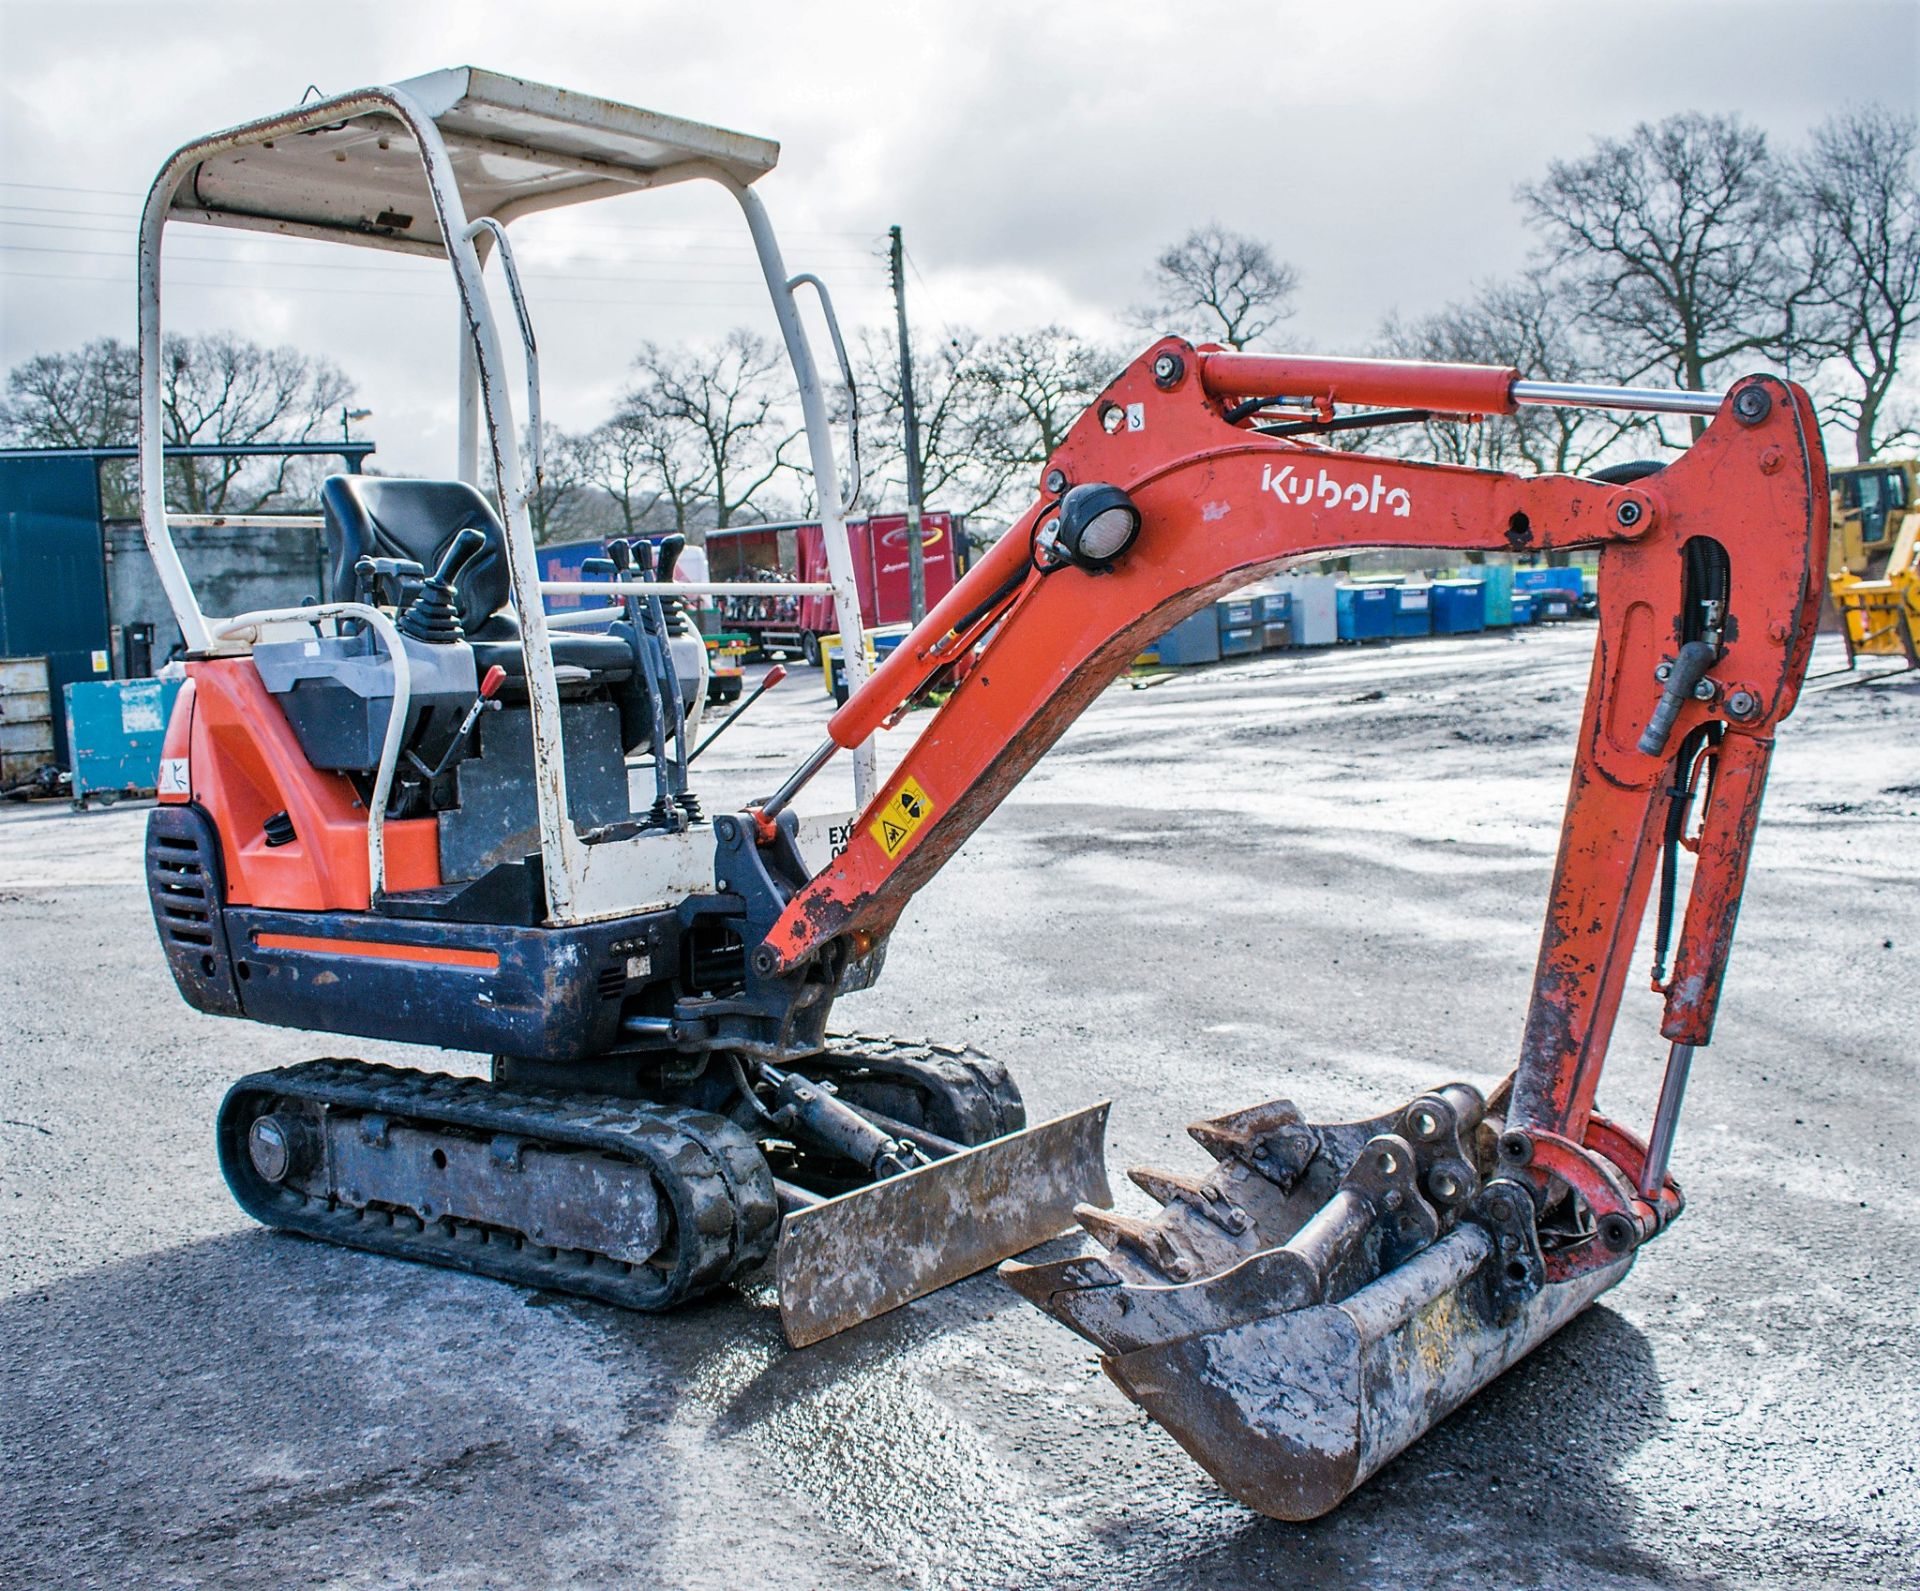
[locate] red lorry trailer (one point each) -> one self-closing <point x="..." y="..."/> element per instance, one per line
<point x="880" y="557"/>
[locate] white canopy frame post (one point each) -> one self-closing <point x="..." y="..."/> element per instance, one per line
<point x="826" y="474"/>
<point x="562" y="851"/>
<point x="522" y="148"/>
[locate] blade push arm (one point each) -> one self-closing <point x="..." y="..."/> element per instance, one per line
<point x="1718" y="552"/>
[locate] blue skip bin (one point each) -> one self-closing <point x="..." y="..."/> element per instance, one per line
<point x="1459" y="607"/>
<point x="1412" y="610"/>
<point x="1365" y="612"/>
<point x="115" y="729"/>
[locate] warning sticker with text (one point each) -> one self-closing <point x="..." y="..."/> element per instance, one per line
<point x="906" y="809"/>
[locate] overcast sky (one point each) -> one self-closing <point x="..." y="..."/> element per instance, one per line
<point x="1037" y="156"/>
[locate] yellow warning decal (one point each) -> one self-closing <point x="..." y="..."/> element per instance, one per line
<point x="906" y="809"/>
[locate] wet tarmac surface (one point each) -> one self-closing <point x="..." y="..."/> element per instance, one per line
<point x="1317" y="876"/>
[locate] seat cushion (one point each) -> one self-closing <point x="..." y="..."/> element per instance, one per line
<point x="607" y="659"/>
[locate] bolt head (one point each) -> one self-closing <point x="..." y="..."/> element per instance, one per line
<point x="1628" y="512"/>
<point x="1516" y="1146"/>
<point x="1500" y="1210"/>
<point x="1618" y="1233"/>
<point x="1056" y="481"/>
<point x="1743" y="704"/>
<point x="1751" y="405"/>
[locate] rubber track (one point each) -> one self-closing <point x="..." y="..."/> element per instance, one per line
<point x="725" y="1219"/>
<point x="994" y="1108"/>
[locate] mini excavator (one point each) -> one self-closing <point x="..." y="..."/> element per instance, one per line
<point x="401" y="813"/>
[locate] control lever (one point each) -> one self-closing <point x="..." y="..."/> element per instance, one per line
<point x="620" y="555"/>
<point x="382" y="582"/>
<point x="434" y="615"/>
<point x="1684" y="676"/>
<point x="670" y="548"/>
<point x="495" y="677"/>
<point x="773" y="677"/>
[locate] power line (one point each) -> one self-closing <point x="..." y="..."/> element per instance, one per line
<point x="865" y="233"/>
<point x="640" y="271"/>
<point x="737" y="301"/>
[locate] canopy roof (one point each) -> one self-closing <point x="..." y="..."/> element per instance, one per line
<point x="356" y="176"/>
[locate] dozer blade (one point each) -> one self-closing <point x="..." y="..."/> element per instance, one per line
<point x="1319" y="1300"/>
<point x="848" y="1259"/>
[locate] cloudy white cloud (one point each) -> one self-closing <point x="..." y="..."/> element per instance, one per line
<point x="1035" y="156"/>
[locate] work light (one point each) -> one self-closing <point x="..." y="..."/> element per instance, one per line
<point x="1097" y="524"/>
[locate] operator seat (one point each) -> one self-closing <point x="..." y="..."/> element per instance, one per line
<point x="370" y="516"/>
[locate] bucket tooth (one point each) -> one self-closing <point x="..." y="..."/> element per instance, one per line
<point x="1147" y="1241"/>
<point x="1273" y="1138"/>
<point x="1038" y="1284"/>
<point x="1199" y="1194"/>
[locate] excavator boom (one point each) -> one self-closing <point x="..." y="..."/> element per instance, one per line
<point x="1375" y="1274"/>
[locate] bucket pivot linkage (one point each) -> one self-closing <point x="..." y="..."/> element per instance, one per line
<point x="1326" y="1293"/>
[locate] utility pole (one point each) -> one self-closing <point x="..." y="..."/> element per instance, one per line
<point x="916" y="547"/>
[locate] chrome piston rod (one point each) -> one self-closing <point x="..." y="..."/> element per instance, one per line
<point x="1577" y="395"/>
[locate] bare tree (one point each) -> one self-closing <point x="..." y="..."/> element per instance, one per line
<point x="1674" y="245"/>
<point x="554" y="497"/>
<point x="219" y="388"/>
<point x="1527" y="324"/>
<point x="726" y="406"/>
<point x="87" y="398"/>
<point x="1860" y="216"/>
<point x="961" y="469"/>
<point x="1037" y="384"/>
<point x="648" y="468"/>
<point x="1216" y="285"/>
<point x="216" y="388"/>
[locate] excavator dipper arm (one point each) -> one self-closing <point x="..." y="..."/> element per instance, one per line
<point x="1709" y="582"/>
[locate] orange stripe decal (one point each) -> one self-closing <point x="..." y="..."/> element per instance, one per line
<point x="382" y="950"/>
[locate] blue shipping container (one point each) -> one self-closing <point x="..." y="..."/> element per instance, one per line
<point x="1412" y="610"/>
<point x="1192" y="640"/>
<point x="1365" y="612"/>
<point x="1523" y="605"/>
<point x="115" y="729"/>
<point x="1459" y="607"/>
<point x="1241" y="642"/>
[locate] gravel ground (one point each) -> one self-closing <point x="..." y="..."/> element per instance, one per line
<point x="1317" y="876"/>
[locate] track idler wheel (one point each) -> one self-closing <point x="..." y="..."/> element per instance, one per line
<point x="1319" y="1299"/>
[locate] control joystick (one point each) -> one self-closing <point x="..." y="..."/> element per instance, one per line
<point x="434" y="615"/>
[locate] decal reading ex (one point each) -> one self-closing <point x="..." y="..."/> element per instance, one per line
<point x="905" y="811"/>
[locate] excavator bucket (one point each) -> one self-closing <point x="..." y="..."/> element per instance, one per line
<point x="847" y="1259"/>
<point x="1324" y="1296"/>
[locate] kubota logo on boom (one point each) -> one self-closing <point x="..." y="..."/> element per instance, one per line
<point x="1355" y="496"/>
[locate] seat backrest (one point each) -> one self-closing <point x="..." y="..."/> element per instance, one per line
<point x="371" y="516"/>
